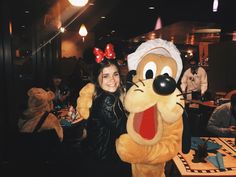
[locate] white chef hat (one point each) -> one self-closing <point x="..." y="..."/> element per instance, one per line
<point x="158" y="46"/>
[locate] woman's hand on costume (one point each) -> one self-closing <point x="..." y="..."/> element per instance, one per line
<point x="85" y="100"/>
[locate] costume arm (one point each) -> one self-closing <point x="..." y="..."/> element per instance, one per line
<point x="204" y="82"/>
<point x="85" y="100"/>
<point x="215" y="123"/>
<point x="162" y="151"/>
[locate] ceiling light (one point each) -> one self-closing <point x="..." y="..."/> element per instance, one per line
<point x="78" y="3"/>
<point x="215" y="5"/>
<point x="62" y="29"/>
<point x="151" y="8"/>
<point x="26" y="11"/>
<point x="10" y="27"/>
<point x="103" y="17"/>
<point x="83" y="31"/>
<point x="208" y="30"/>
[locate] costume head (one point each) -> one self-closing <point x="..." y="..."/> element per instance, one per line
<point x="39" y="101"/>
<point x="155" y="109"/>
<point x="158" y="66"/>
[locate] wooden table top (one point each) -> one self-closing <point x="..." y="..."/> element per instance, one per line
<point x="196" y="103"/>
<point x="189" y="169"/>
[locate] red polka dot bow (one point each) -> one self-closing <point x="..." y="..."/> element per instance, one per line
<point x="108" y="53"/>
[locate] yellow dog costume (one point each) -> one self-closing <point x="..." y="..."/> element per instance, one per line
<point x="155" y="109"/>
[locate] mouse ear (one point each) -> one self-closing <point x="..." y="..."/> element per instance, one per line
<point x="186" y="136"/>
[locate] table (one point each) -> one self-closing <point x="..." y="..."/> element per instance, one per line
<point x="189" y="169"/>
<point x="197" y="103"/>
<point x="199" y="113"/>
<point x="73" y="129"/>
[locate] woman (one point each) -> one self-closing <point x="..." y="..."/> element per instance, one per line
<point x="107" y="120"/>
<point x="39" y="103"/>
<point x="61" y="91"/>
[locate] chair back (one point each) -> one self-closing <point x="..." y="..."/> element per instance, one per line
<point x="229" y="94"/>
<point x="38" y="146"/>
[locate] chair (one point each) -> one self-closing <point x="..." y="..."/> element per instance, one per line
<point x="229" y="94"/>
<point x="41" y="146"/>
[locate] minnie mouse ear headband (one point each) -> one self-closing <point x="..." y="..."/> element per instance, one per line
<point x="108" y="53"/>
<point x="157" y="46"/>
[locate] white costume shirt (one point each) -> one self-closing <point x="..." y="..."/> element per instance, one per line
<point x="194" y="82"/>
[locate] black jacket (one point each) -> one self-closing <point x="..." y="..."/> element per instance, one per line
<point x="106" y="123"/>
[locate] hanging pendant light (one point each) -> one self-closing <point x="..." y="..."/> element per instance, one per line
<point x="215" y="5"/>
<point x="78" y="3"/>
<point x="83" y="31"/>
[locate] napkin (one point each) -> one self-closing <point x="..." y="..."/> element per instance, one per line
<point x="217" y="161"/>
<point x="211" y="146"/>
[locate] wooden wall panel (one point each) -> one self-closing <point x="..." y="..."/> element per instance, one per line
<point x="222" y="66"/>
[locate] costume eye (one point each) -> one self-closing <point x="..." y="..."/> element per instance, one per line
<point x="167" y="70"/>
<point x="149" y="70"/>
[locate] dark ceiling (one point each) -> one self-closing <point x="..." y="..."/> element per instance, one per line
<point x="128" y="18"/>
<point x="132" y="17"/>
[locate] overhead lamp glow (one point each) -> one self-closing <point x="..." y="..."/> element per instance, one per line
<point x="62" y="29"/>
<point x="78" y="3"/>
<point x="215" y="5"/>
<point x="83" y="31"/>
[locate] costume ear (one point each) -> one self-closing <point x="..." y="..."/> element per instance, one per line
<point x="186" y="136"/>
<point x="129" y="79"/>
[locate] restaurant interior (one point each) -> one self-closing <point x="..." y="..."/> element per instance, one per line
<point x="42" y="37"/>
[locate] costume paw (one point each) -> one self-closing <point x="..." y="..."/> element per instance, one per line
<point x="129" y="151"/>
<point x="84" y="101"/>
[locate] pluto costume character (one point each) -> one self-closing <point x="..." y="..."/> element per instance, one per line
<point x="155" y="107"/>
<point x="155" y="121"/>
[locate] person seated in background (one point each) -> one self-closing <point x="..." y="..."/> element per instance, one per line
<point x="40" y="103"/>
<point x="61" y="91"/>
<point x="223" y="120"/>
<point x="194" y="80"/>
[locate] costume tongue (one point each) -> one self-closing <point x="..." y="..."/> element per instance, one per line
<point x="145" y="123"/>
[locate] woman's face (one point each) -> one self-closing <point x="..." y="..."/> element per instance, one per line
<point x="57" y="81"/>
<point x="109" y="78"/>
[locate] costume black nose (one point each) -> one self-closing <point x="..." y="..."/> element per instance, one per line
<point x="164" y="84"/>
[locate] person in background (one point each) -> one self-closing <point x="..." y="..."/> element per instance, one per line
<point x="223" y="120"/>
<point x="61" y="91"/>
<point x="39" y="103"/>
<point x="107" y="120"/>
<point x="194" y="80"/>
